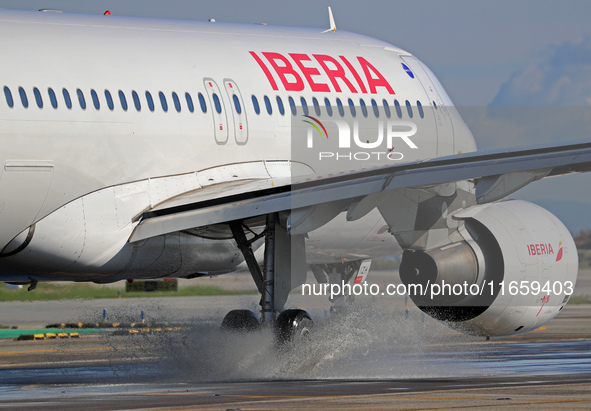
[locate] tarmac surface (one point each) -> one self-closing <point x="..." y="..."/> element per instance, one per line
<point x="376" y="357"/>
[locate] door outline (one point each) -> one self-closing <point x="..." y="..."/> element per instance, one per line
<point x="240" y="121"/>
<point x="220" y="120"/>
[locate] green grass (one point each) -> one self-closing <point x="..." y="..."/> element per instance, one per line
<point x="580" y="299"/>
<point x="50" y="291"/>
<point x="385" y="264"/>
<point x="584" y="259"/>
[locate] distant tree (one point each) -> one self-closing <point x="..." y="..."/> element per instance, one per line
<point x="583" y="239"/>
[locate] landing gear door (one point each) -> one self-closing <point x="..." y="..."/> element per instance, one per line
<point x="238" y="112"/>
<point x="445" y="132"/>
<point x="220" y="120"/>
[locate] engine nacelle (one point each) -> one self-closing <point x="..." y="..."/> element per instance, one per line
<point x="514" y="270"/>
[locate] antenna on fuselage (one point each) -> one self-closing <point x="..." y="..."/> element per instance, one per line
<point x="333" y="26"/>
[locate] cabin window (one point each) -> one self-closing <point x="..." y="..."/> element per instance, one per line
<point x="202" y="102"/>
<point x="176" y="101"/>
<point x="109" y="99"/>
<point x="268" y="105"/>
<point x="136" y="100"/>
<point x="163" y="102"/>
<point x="67" y="98"/>
<point x="123" y="100"/>
<point x="340" y="107"/>
<point x="304" y="106"/>
<point x="328" y="107"/>
<point x="150" y="101"/>
<point x="398" y="109"/>
<point x="95" y="99"/>
<point x="316" y="106"/>
<point x="409" y="108"/>
<point x="8" y="96"/>
<point x="237" y="104"/>
<point x="217" y="104"/>
<point x="81" y="99"/>
<point x="292" y="105"/>
<point x="255" y="104"/>
<point x="435" y="105"/>
<point x="420" y="108"/>
<point x="189" y="102"/>
<point x="363" y="107"/>
<point x="24" y="99"/>
<point x="52" y="97"/>
<point x="38" y="98"/>
<point x="386" y="108"/>
<point x="352" y="108"/>
<point x="280" y="106"/>
<point x="376" y="110"/>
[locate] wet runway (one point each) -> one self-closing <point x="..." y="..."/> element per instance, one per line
<point x="544" y="375"/>
<point x="375" y="359"/>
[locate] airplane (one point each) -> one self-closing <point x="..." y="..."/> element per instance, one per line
<point x="144" y="148"/>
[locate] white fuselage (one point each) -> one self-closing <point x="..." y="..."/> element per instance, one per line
<point x="80" y="172"/>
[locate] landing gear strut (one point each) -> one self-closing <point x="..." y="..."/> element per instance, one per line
<point x="268" y="298"/>
<point x="284" y="267"/>
<point x="265" y="282"/>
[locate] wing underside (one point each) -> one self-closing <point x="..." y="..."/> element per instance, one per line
<point x="496" y="174"/>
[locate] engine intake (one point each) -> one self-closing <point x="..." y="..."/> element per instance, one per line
<point x="454" y="264"/>
<point x="491" y="282"/>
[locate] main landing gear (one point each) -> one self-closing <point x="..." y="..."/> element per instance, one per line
<point x="284" y="268"/>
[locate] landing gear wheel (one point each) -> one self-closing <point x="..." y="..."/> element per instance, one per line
<point x="241" y="321"/>
<point x="293" y="327"/>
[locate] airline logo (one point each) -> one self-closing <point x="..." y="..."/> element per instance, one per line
<point x="544" y="300"/>
<point x="545" y="249"/>
<point x="321" y="73"/>
<point x="559" y="255"/>
<point x="408" y="70"/>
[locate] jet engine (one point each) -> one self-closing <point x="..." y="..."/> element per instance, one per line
<point x="512" y="269"/>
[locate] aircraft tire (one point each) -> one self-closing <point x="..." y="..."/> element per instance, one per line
<point x="242" y="321"/>
<point x="293" y="327"/>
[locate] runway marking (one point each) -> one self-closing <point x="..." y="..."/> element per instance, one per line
<point x="360" y="396"/>
<point x="67" y="349"/>
<point x="490" y="402"/>
<point x="514" y="403"/>
<point x="364" y="407"/>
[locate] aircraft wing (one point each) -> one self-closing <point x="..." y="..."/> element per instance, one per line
<point x="497" y="174"/>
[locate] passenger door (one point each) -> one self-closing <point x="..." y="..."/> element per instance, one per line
<point x="238" y="112"/>
<point x="220" y="120"/>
